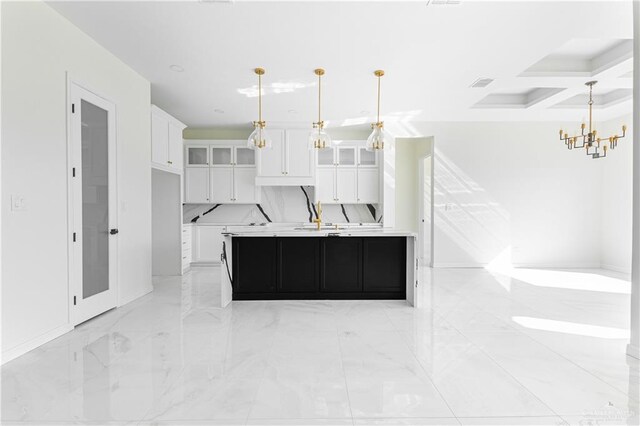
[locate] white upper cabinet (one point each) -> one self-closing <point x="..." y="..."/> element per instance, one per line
<point x="325" y="190"/>
<point x="197" y="156"/>
<point x="228" y="176"/>
<point x="346" y="156"/>
<point x="245" y="190"/>
<point x="196" y="185"/>
<point x="221" y="184"/>
<point x="271" y="161"/>
<point x="221" y="156"/>
<point x="347" y="185"/>
<point x="368" y="185"/>
<point x="166" y="141"/>
<point x="347" y="174"/>
<point x="299" y="159"/>
<point x="367" y="158"/>
<point x="289" y="161"/>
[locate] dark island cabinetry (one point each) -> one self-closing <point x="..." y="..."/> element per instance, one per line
<point x="270" y="268"/>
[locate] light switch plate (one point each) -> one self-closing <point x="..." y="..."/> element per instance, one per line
<point x="18" y="203"/>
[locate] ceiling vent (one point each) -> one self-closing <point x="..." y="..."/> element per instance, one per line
<point x="482" y="82"/>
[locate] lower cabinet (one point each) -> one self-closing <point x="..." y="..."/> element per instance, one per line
<point x="341" y="265"/>
<point x="254" y="266"/>
<point x="298" y="264"/>
<point x="267" y="268"/>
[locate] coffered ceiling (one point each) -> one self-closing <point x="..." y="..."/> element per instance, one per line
<point x="539" y="54"/>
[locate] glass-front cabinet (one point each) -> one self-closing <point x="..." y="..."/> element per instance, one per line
<point x="220" y="172"/>
<point x="197" y="156"/>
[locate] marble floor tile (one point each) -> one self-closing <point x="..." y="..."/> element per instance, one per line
<point x="173" y="358"/>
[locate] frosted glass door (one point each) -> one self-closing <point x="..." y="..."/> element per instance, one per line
<point x="93" y="194"/>
<point x="95" y="200"/>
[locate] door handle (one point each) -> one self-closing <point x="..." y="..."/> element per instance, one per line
<point x="114" y="231"/>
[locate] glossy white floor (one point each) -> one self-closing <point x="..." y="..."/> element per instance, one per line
<point x="523" y="347"/>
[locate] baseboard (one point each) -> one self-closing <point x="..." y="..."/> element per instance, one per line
<point x="213" y="263"/>
<point x="32" y="344"/>
<point x="146" y="291"/>
<point x="551" y="265"/>
<point x="458" y="265"/>
<point x="633" y="351"/>
<point x="616" y="268"/>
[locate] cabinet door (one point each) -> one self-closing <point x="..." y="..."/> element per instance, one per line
<point x="159" y="140"/>
<point x="346" y="156"/>
<point x="367" y="158"/>
<point x="244" y="186"/>
<point x="341" y="261"/>
<point x="384" y="264"/>
<point x="244" y="157"/>
<point x="175" y="147"/>
<point x="208" y="243"/>
<point x="298" y="264"/>
<point x="221" y="184"/>
<point x="299" y="158"/>
<point x="368" y="185"/>
<point x="271" y="161"/>
<point x="346" y="185"/>
<point x="221" y="156"/>
<point x="326" y="157"/>
<point x="254" y="265"/>
<point x="325" y="185"/>
<point x="196" y="185"/>
<point x="197" y="156"/>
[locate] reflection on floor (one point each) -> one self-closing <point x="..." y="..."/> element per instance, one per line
<point x="492" y="349"/>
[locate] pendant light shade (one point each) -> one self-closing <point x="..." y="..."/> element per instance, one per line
<point x="259" y="139"/>
<point x="319" y="138"/>
<point x="376" y="139"/>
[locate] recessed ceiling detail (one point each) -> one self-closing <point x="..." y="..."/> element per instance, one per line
<point x="583" y="57"/>
<point x="602" y="100"/>
<point x="523" y="98"/>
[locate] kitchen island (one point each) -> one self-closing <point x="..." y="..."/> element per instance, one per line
<point x="309" y="264"/>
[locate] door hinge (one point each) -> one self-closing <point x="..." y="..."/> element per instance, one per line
<point x="416" y="263"/>
<point x="74" y="300"/>
<point x="74" y="237"/>
<point x="73" y="108"/>
<point x="73" y="171"/>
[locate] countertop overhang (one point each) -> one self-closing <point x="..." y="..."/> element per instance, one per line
<point x="321" y="233"/>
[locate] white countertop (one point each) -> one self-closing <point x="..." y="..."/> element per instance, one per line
<point x="325" y="232"/>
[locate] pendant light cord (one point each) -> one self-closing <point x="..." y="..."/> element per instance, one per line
<point x="378" y="99"/>
<point x="260" y="98"/>
<point x="319" y="98"/>
<point x="590" y="107"/>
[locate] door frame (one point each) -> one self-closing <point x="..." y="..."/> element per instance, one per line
<point x="421" y="209"/>
<point x="74" y="249"/>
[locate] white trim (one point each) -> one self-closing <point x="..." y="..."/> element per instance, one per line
<point x="616" y="268"/>
<point x="458" y="265"/>
<point x="73" y="280"/>
<point x="32" y="344"/>
<point x="122" y="302"/>
<point x="549" y="265"/>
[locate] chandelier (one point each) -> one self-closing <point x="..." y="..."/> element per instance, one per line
<point x="259" y="138"/>
<point x="319" y="139"/>
<point x="593" y="145"/>
<point x="376" y="139"/>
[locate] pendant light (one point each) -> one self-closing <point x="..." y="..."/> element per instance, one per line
<point x="319" y="139"/>
<point x="376" y="138"/>
<point x="259" y="139"/>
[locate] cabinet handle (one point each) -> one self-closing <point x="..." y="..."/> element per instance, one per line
<point x="170" y="162"/>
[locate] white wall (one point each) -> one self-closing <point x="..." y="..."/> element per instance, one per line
<point x="166" y="213"/>
<point x="617" y="185"/>
<point x="38" y="47"/>
<point x="512" y="189"/>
